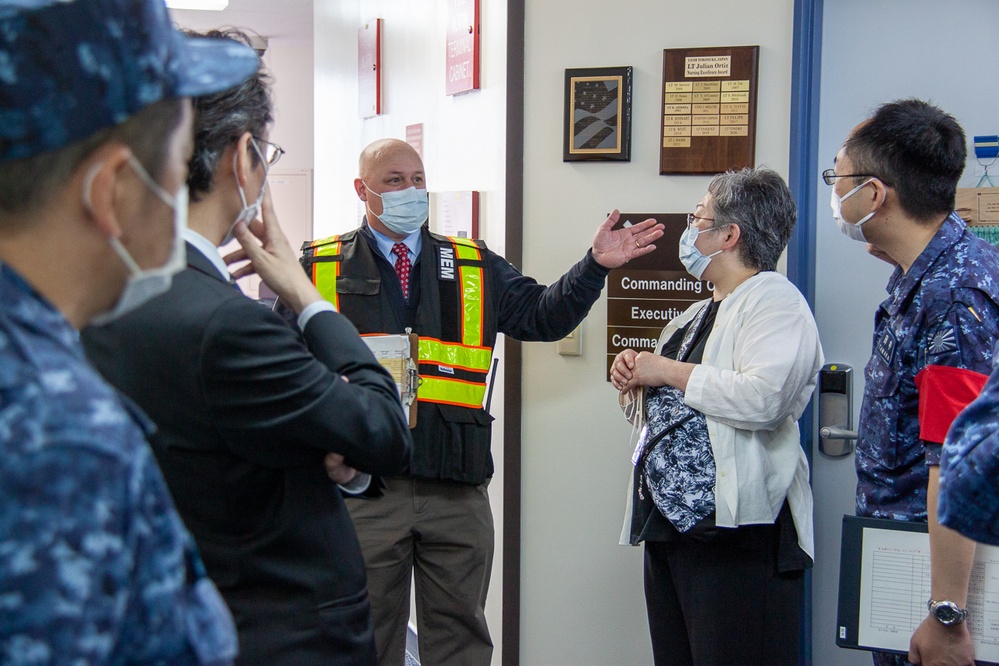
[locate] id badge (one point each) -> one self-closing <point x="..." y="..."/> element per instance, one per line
<point x="885" y="347"/>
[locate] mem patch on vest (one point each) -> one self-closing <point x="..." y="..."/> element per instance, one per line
<point x="445" y="263"/>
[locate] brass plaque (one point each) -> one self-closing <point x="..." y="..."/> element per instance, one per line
<point x="722" y="85"/>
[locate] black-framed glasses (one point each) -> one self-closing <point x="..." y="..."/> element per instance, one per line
<point x="271" y="151"/>
<point x="691" y="218"/>
<point x="830" y="176"/>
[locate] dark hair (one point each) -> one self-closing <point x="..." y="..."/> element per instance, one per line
<point x="915" y="148"/>
<point x="31" y="181"/>
<point x="221" y="119"/>
<point x="759" y="202"/>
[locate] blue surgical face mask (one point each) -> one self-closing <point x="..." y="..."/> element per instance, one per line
<point x="403" y="211"/>
<point x="146" y="284"/>
<point x="692" y="259"/>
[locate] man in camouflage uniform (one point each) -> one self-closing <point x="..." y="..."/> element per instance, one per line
<point x="893" y="187"/>
<point x="969" y="470"/>
<point x="95" y="133"/>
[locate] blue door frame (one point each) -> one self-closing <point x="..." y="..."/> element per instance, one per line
<point x="802" y="179"/>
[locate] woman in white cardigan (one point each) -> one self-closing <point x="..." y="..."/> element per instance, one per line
<point x="720" y="492"/>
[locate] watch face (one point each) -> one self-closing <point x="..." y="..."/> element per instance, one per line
<point x="946" y="614"/>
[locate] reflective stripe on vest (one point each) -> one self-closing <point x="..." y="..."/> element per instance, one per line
<point x="471" y="291"/>
<point x="470" y="355"/>
<point x="453" y="355"/>
<point x="324" y="273"/>
<point x="451" y="392"/>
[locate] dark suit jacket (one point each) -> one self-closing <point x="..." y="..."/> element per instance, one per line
<point x="246" y="410"/>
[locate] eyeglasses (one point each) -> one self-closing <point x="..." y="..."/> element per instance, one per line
<point x="272" y="152"/>
<point x="830" y="176"/>
<point x="691" y="218"/>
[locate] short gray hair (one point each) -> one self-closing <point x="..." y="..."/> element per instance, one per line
<point x="759" y="201"/>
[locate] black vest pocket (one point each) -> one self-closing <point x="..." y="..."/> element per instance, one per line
<point x="359" y="286"/>
<point x="456" y="446"/>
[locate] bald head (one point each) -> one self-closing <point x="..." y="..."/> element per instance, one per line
<point x="379" y="152"/>
<point x="387" y="165"/>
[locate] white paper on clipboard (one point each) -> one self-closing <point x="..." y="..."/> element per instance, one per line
<point x="398" y="355"/>
<point x="885" y="582"/>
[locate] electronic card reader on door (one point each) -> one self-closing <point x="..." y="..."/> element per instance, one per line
<point x="836" y="410"/>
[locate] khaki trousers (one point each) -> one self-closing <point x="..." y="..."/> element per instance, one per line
<point x="441" y="533"/>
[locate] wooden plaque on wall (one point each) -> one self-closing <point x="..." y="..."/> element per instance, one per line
<point x="709" y="109"/>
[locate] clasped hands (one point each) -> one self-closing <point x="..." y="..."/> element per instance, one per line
<point x="632" y="369"/>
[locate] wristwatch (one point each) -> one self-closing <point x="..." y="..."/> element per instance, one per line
<point x="946" y="612"/>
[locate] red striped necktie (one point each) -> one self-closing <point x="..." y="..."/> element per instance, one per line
<point x="402" y="266"/>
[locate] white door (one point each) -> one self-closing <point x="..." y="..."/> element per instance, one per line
<point x="874" y="52"/>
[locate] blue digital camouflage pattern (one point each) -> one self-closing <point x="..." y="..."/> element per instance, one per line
<point x="95" y="564"/>
<point x="944" y="311"/>
<point x="969" y="472"/>
<point x="69" y="68"/>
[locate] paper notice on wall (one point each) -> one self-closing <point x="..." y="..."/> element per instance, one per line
<point x="457" y="214"/>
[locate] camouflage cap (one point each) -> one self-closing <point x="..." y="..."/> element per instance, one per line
<point x="69" y="68"/>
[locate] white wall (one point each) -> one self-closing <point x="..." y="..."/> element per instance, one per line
<point x="874" y="53"/>
<point x="288" y="59"/>
<point x="464" y="140"/>
<point x="290" y="63"/>
<point x="582" y="593"/>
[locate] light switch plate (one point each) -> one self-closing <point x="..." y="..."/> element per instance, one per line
<point x="572" y="344"/>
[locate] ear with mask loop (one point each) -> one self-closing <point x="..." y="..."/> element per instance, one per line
<point x="88" y="203"/>
<point x="88" y="185"/>
<point x="145" y="284"/>
<point x="249" y="212"/>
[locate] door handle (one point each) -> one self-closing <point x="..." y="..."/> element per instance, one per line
<point x="836" y="410"/>
<point x="835" y="432"/>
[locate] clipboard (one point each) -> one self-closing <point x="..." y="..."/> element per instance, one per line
<point x="399" y="355"/>
<point x="884" y="583"/>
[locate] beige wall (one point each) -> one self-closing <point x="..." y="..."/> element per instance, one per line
<point x="582" y="593"/>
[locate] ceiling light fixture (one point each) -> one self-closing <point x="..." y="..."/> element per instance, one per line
<point x="207" y="5"/>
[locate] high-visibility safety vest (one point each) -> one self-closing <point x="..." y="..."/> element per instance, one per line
<point x="456" y="326"/>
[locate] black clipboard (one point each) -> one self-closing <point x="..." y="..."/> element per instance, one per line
<point x="897" y="593"/>
<point x="850" y="570"/>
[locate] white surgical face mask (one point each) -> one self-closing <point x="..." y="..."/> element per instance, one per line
<point x="403" y="211"/>
<point x="146" y="284"/>
<point x="693" y="259"/>
<point x="249" y="212"/>
<point x="854" y="231"/>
